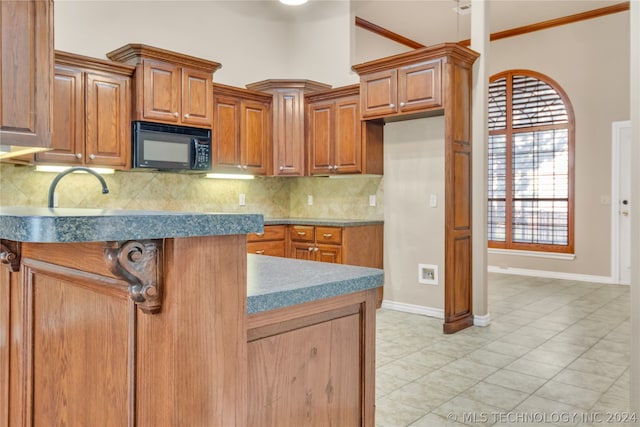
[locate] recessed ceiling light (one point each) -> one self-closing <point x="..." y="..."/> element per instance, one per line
<point x="293" y="2"/>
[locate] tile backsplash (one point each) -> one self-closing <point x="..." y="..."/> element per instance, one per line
<point x="333" y="198"/>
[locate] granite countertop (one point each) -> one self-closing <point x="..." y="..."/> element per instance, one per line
<point x="61" y="225"/>
<point x="274" y="282"/>
<point x="321" y="221"/>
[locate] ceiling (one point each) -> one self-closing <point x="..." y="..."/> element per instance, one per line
<point x="435" y="21"/>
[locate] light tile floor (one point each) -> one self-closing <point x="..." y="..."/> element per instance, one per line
<point x="556" y="352"/>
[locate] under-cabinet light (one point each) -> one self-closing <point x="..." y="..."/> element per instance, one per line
<point x="58" y="169"/>
<point x="228" y="176"/>
<point x="293" y="2"/>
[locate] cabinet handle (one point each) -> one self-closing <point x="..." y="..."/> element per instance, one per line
<point x="186" y="116"/>
<point x="392" y="105"/>
<point x="281" y="168"/>
<point x="327" y="235"/>
<point x="402" y="104"/>
<point x="316" y="249"/>
<point x="260" y="252"/>
<point x="330" y="167"/>
<point x="259" y="234"/>
<point x="239" y="166"/>
<point x="176" y="115"/>
<point x="310" y="249"/>
<point x="244" y="166"/>
<point x="78" y="155"/>
<point x="335" y="167"/>
<point x="92" y="156"/>
<point x="302" y="233"/>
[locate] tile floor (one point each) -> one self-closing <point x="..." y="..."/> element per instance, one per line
<point x="557" y="352"/>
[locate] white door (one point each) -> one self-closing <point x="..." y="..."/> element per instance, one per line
<point x="621" y="203"/>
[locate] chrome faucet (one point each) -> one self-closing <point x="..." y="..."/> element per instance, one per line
<point x="52" y="188"/>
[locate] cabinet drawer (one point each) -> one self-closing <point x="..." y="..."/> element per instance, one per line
<point x="331" y="235"/>
<point x="266" y="248"/>
<point x="302" y="233"/>
<point x="271" y="232"/>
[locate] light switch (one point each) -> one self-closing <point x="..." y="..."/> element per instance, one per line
<point x="309" y="199"/>
<point x="433" y="201"/>
<point x="372" y="200"/>
<point x="242" y="200"/>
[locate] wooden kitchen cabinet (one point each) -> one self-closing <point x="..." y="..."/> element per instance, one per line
<point x="435" y="80"/>
<point x="338" y="142"/>
<point x="170" y="87"/>
<point x="288" y="122"/>
<point x="270" y="242"/>
<point x="241" y="130"/>
<point x="406" y="89"/>
<point x="91" y="119"/>
<point x="26" y="60"/>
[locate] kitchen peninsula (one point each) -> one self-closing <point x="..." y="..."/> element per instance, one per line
<point x="139" y="318"/>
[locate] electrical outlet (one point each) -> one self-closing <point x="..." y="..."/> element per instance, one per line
<point x="242" y="200"/>
<point x="372" y="200"/>
<point x="427" y="274"/>
<point x="309" y="199"/>
<point x="55" y="199"/>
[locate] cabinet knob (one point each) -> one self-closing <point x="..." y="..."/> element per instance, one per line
<point x="302" y="233"/>
<point x="186" y="116"/>
<point x="239" y="166"/>
<point x="260" y="234"/>
<point x="327" y="235"/>
<point x="392" y="105"/>
<point x="244" y="166"/>
<point x="92" y="156"/>
<point x="260" y="252"/>
<point x="330" y="167"/>
<point x="310" y="249"/>
<point x="402" y="104"/>
<point x="335" y="167"/>
<point x="78" y="155"/>
<point x="316" y="249"/>
<point x="281" y="168"/>
<point x="176" y="115"/>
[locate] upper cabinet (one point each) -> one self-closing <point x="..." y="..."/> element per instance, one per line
<point x="170" y="87"/>
<point x="26" y="62"/>
<point x="92" y="112"/>
<point x="241" y="130"/>
<point x="338" y="142"/>
<point x="288" y="122"/>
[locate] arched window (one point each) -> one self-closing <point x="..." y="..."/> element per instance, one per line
<point x="530" y="171"/>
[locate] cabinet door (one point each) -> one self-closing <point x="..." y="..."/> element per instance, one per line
<point x="288" y="133"/>
<point x="321" y="137"/>
<point x="108" y="135"/>
<point x="226" y="133"/>
<point x="419" y="86"/>
<point x="26" y="86"/>
<point x="301" y="250"/>
<point x="197" y="98"/>
<point x="328" y="253"/>
<point x="68" y="118"/>
<point x="161" y="91"/>
<point x="347" y="142"/>
<point x="254" y="137"/>
<point x="379" y="93"/>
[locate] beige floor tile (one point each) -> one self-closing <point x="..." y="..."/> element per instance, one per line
<point x="509" y="349"/>
<point x="469" y="368"/>
<point x="421" y="396"/>
<point x="391" y="413"/>
<point x="597" y="367"/>
<point x="386" y="383"/>
<point x="530" y="367"/>
<point x="536" y="409"/>
<point x="433" y="420"/>
<point x="607" y="356"/>
<point x="495" y="395"/>
<point x="447" y="381"/>
<point x="585" y="380"/>
<point x="404" y="369"/>
<point x="569" y="394"/>
<point x="516" y="380"/>
<point x="490" y="358"/>
<point x="550" y="357"/>
<point x="467" y="411"/>
<point x="428" y="358"/>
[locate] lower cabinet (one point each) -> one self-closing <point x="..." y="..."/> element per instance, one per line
<point x="270" y="242"/>
<point x="313" y="364"/>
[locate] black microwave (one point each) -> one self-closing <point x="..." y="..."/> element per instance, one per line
<point x="169" y="147"/>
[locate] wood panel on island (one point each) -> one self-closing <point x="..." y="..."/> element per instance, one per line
<point x="26" y="86"/>
<point x="435" y="80"/>
<point x="241" y="130"/>
<point x="169" y="87"/>
<point x="288" y="122"/>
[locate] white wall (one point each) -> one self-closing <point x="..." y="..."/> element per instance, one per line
<point x="590" y="61"/>
<point x="254" y="40"/>
<point x="413" y="231"/>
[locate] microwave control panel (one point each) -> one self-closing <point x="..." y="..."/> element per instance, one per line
<point x="202" y="155"/>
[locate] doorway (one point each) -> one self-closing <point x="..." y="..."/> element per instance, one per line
<point x="621" y="203"/>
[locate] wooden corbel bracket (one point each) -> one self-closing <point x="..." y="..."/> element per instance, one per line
<point x="140" y="264"/>
<point x="10" y="254"/>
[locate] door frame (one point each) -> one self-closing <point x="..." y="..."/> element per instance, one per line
<point x="616" y="128"/>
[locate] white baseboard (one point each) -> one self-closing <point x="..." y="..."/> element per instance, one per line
<point x="414" y="309"/>
<point x="484" y="320"/>
<point x="552" y="274"/>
